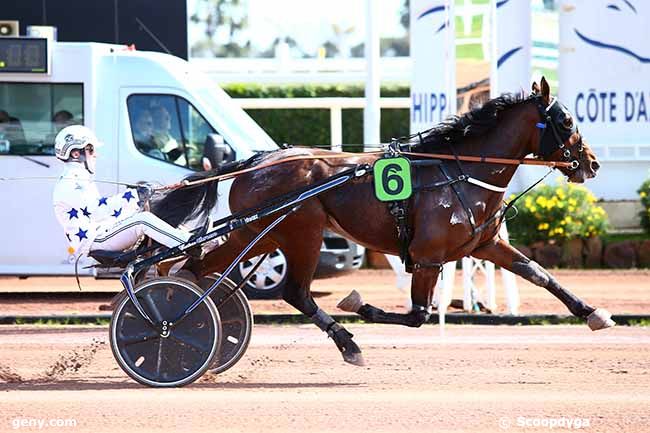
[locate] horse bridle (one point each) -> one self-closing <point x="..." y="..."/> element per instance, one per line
<point x="557" y="119"/>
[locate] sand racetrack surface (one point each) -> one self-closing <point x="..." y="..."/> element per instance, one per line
<point x="475" y="379"/>
<point x="619" y="291"/>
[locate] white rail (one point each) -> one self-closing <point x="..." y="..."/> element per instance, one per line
<point x="335" y="105"/>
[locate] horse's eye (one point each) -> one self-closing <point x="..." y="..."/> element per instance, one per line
<point x="567" y="122"/>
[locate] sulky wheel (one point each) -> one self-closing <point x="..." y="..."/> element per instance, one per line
<point x="165" y="358"/>
<point x="236" y="321"/>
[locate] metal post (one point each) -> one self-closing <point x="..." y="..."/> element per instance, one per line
<point x="336" y="128"/>
<point x="450" y="56"/>
<point x="372" y="111"/>
<point x="494" y="51"/>
<point x="468" y="284"/>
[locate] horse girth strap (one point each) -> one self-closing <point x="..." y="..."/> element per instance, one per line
<point x="399" y="211"/>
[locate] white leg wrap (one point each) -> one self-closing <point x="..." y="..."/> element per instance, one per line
<point x="600" y="319"/>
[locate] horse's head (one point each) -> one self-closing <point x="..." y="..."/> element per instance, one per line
<point x="559" y="138"/>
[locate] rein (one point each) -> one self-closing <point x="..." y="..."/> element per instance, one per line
<point x="483" y="159"/>
<point x="491" y="160"/>
<point x="186" y="183"/>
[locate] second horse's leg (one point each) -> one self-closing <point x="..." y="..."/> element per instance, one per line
<point x="502" y="254"/>
<point x="423" y="282"/>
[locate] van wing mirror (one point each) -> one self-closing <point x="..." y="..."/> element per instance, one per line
<point x="216" y="152"/>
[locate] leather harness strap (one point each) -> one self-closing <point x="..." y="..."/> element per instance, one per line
<point x="444" y="156"/>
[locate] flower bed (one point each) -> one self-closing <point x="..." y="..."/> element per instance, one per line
<point x="561" y="225"/>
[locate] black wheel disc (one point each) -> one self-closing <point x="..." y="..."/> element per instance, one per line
<point x="236" y="322"/>
<point x="175" y="358"/>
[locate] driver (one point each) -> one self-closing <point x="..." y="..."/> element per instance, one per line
<point x="94" y="222"/>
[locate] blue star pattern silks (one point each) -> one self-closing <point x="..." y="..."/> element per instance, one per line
<point x="81" y="210"/>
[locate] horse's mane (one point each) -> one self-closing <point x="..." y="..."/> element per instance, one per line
<point x="474" y="123"/>
<point x="188" y="203"/>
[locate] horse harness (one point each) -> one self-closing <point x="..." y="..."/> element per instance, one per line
<point x="552" y="115"/>
<point x="400" y="209"/>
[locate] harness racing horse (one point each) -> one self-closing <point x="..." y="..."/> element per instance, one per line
<point x="448" y="217"/>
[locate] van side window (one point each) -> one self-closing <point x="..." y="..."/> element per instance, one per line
<point x="195" y="131"/>
<point x="156" y="129"/>
<point x="31" y="114"/>
<point x="169" y="128"/>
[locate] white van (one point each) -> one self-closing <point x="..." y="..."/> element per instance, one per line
<point x="130" y="99"/>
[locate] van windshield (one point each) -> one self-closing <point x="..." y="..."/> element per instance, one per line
<point x="239" y="122"/>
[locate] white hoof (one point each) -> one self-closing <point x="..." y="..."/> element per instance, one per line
<point x="600" y="319"/>
<point x="351" y="303"/>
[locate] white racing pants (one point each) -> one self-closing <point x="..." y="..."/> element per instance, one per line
<point x="125" y="233"/>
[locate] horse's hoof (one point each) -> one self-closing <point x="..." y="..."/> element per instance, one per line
<point x="351" y="303"/>
<point x="354" y="359"/>
<point x="600" y="319"/>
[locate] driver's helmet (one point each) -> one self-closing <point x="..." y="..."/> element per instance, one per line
<point x="73" y="137"/>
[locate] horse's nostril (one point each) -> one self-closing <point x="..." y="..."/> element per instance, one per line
<point x="595" y="166"/>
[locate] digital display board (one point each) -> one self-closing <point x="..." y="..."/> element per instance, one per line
<point x="23" y="55"/>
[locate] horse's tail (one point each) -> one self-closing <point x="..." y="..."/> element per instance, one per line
<point x="196" y="201"/>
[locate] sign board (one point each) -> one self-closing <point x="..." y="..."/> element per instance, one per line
<point x="603" y="74"/>
<point x="511" y="45"/>
<point x="433" y="53"/>
<point x="510" y="66"/>
<point x="604" y="68"/>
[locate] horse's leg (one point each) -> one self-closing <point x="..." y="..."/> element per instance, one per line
<point x="504" y="255"/>
<point x="302" y="254"/>
<point x="424" y="279"/>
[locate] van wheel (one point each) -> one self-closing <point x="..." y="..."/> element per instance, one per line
<point x="269" y="279"/>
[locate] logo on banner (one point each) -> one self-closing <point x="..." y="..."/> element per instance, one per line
<point x="604" y="41"/>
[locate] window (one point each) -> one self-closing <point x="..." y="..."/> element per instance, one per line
<point x="31" y="114"/>
<point x="168" y="128"/>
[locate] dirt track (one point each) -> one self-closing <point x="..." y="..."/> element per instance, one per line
<point x="619" y="291"/>
<point x="292" y="379"/>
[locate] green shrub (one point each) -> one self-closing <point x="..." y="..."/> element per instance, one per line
<point x="560" y="212"/>
<point x="312" y="126"/>
<point x="644" y="194"/>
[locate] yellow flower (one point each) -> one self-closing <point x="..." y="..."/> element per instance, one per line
<point x="643" y="194"/>
<point x="533" y="209"/>
<point x="542" y="226"/>
<point x="573" y="202"/>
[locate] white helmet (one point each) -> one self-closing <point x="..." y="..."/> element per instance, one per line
<point x="73" y="137"/>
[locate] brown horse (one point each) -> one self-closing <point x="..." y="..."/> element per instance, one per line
<point x="448" y="217"/>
